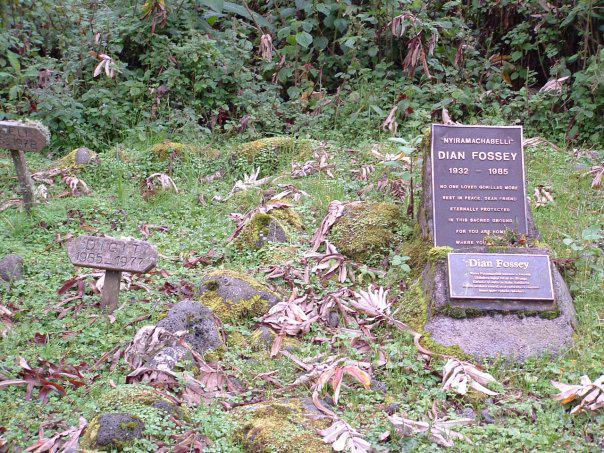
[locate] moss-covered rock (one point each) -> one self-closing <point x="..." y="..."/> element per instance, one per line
<point x="366" y="230"/>
<point x="197" y="320"/>
<point x="233" y="296"/>
<point x="114" y="431"/>
<point x="439" y="253"/>
<point x="129" y="396"/>
<point x="78" y="158"/>
<point x="276" y="146"/>
<point x="270" y="154"/>
<point x="11" y="268"/>
<point x="276" y="226"/>
<point x="127" y="413"/>
<point x="282" y="426"/>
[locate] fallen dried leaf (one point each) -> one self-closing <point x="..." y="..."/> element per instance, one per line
<point x="458" y="376"/>
<point x="590" y="394"/>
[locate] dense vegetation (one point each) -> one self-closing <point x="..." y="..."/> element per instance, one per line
<point x="300" y="66"/>
<point x="173" y="94"/>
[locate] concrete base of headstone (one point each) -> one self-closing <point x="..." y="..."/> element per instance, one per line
<point x="508" y="331"/>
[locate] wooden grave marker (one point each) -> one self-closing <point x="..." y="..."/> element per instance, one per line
<point x="20" y="136"/>
<point x="114" y="256"/>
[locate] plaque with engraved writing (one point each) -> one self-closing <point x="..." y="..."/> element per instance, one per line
<point x="478" y="184"/>
<point x="18" y="135"/>
<point x="107" y="253"/>
<point x="500" y="276"/>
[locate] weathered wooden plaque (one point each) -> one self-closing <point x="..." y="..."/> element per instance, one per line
<point x="500" y="276"/>
<point x="124" y="255"/>
<point x="18" y="135"/>
<point x="115" y="256"/>
<point x="478" y="183"/>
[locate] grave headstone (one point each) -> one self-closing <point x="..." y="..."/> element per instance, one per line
<point x="114" y="256"/>
<point x="474" y="186"/>
<point x="477" y="183"/>
<point x="506" y="299"/>
<point x="20" y="136"/>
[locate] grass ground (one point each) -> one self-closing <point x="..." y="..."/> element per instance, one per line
<point x="525" y="416"/>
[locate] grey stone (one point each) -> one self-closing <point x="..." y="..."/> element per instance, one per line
<point x="492" y="336"/>
<point x="468" y="412"/>
<point x="275" y="235"/>
<point x="392" y="409"/>
<point x="234" y="289"/>
<point x="84" y="156"/>
<point x="198" y="321"/>
<point x="378" y="386"/>
<point x="487" y="417"/>
<point x="333" y="319"/>
<point x="117" y="429"/>
<point x="267" y="336"/>
<point x="11" y="268"/>
<point x="166" y="407"/>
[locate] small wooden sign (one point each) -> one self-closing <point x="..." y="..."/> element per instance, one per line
<point x="115" y="256"/>
<point x="478" y="183"/>
<point x="500" y="276"/>
<point x="19" y="136"/>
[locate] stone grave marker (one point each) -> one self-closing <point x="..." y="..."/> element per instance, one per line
<point x="20" y="136"/>
<point x="477" y="183"/>
<point x="114" y="256"/>
<point x="507" y="300"/>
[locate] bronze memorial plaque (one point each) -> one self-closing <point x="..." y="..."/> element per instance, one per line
<point x="478" y="184"/>
<point x="500" y="276"/>
<point x="128" y="255"/>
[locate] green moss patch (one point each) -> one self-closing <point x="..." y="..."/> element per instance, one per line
<point x="281" y="426"/>
<point x="233" y="296"/>
<point x="230" y="311"/>
<point x="412" y="309"/>
<point x="366" y="230"/>
<point x="278" y="225"/>
<point x="171" y="150"/>
<point x="270" y="154"/>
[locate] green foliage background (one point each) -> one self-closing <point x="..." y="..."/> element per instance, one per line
<point x="336" y="65"/>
